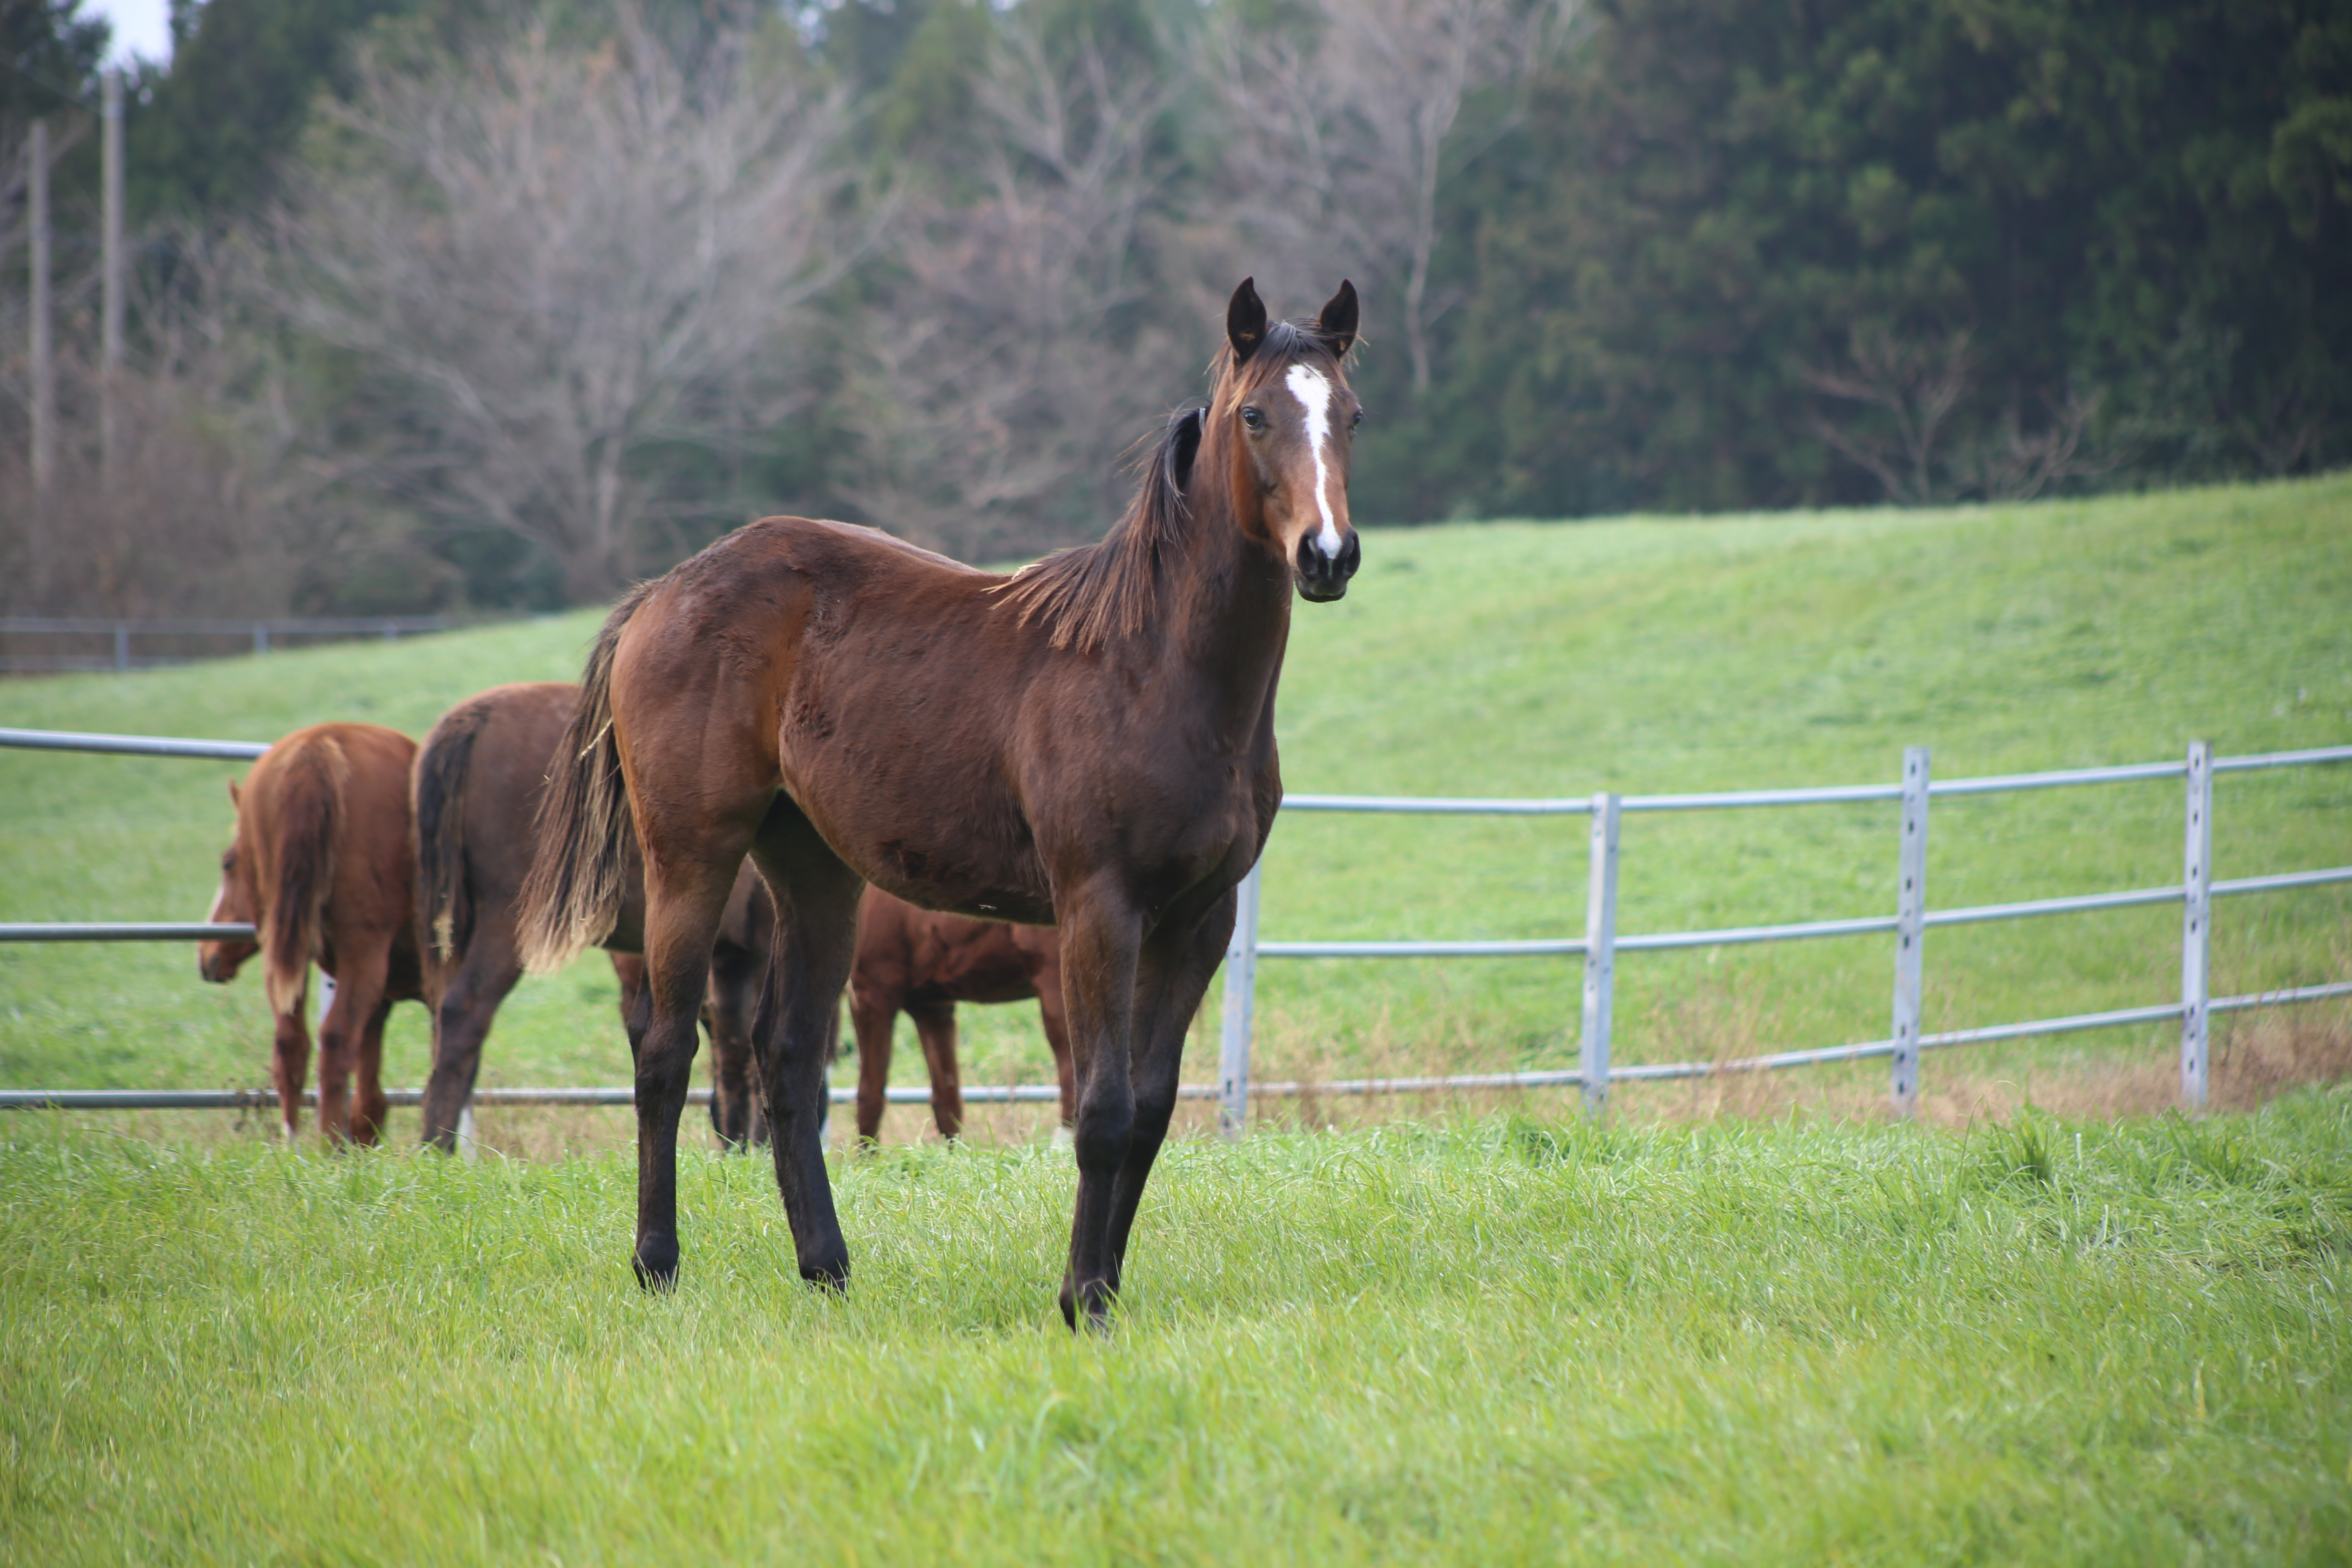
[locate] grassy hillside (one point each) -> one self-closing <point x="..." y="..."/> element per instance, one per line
<point x="1503" y="1342"/>
<point x="1644" y="655"/>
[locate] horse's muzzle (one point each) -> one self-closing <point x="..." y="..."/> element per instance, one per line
<point x="1323" y="578"/>
<point x="218" y="962"/>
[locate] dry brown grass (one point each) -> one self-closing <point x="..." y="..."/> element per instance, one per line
<point x="2257" y="1058"/>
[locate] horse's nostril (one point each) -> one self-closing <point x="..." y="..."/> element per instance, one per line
<point x="1352" y="555"/>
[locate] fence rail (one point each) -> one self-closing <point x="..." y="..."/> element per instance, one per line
<point x="1598" y="947"/>
<point x="261" y="631"/>
<point x="1909" y="923"/>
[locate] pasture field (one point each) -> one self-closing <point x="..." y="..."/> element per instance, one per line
<point x="1481" y="1342"/>
<point x="1645" y="655"/>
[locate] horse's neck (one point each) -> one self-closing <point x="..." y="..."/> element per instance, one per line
<point x="1231" y="618"/>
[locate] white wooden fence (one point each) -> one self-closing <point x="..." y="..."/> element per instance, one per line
<point x="1598" y="947"/>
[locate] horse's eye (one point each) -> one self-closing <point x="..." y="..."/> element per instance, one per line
<point x="1251" y="418"/>
<point x="1355" y="420"/>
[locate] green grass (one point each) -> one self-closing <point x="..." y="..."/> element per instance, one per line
<point x="1644" y="656"/>
<point x="1506" y="1339"/>
<point x="1501" y="1340"/>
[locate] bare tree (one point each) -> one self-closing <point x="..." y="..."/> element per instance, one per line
<point x="1343" y="130"/>
<point x="219" y="499"/>
<point x="1915" y="386"/>
<point x="1009" y="362"/>
<point x="555" y="259"/>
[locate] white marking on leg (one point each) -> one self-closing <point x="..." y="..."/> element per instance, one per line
<point x="1314" y="394"/>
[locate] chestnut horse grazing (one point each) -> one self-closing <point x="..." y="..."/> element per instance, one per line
<point x="923" y="963"/>
<point x="320" y="865"/>
<point x="478" y="781"/>
<point x="1087" y="743"/>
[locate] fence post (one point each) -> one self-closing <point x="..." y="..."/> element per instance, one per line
<point x="1910" y="913"/>
<point x="1240" y="1000"/>
<point x="261" y="637"/>
<point x="1599" y="953"/>
<point x="2196" y="923"/>
<point x="122" y="645"/>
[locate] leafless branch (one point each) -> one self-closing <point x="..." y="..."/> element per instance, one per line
<point x="556" y="258"/>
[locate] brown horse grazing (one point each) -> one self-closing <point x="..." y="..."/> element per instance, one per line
<point x="477" y="785"/>
<point x="319" y="865"/>
<point x="1087" y="743"/>
<point x="922" y="963"/>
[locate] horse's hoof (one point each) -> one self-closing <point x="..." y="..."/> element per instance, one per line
<point x="1092" y="1306"/>
<point x="655" y="1261"/>
<point x="829" y="1274"/>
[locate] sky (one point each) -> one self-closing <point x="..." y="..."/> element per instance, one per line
<point x="141" y="27"/>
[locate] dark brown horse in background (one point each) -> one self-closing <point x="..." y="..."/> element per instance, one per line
<point x="922" y="963"/>
<point x="321" y="867"/>
<point x="478" y="781"/>
<point x="1087" y="744"/>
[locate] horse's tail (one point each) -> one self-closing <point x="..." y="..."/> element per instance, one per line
<point x="579" y="866"/>
<point x="309" y="791"/>
<point x="445" y="894"/>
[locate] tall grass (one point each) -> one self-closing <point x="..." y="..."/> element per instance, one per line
<point x="1501" y="1340"/>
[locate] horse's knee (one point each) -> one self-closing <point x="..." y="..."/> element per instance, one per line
<point x="1101" y="1137"/>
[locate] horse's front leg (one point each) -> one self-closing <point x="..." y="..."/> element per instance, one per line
<point x="1170" y="980"/>
<point x="816" y="898"/>
<point x="1100" y="933"/>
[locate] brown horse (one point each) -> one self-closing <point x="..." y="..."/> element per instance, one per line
<point x="1087" y="744"/>
<point x="477" y="785"/>
<point x="922" y="963"/>
<point x="320" y="865"/>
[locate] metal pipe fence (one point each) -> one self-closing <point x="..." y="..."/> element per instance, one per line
<point x="261" y="634"/>
<point x="1908" y="924"/>
<point x="1598" y="947"/>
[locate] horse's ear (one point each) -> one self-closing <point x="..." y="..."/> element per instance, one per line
<point x="234" y="798"/>
<point x="1337" y="325"/>
<point x="1183" y="446"/>
<point x="1245" y="321"/>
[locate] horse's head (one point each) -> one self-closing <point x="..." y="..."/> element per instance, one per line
<point x="235" y="904"/>
<point x="1286" y="411"/>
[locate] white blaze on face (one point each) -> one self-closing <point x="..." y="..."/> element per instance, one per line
<point x="1315" y="394"/>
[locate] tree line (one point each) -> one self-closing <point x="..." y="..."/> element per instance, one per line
<point x="438" y="305"/>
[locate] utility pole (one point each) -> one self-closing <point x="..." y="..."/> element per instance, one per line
<point x="45" y="368"/>
<point x="110" y="312"/>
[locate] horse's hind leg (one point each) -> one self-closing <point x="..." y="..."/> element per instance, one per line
<point x="1055" y="1021"/>
<point x="289" y="1057"/>
<point x="730" y="1013"/>
<point x="358" y="991"/>
<point x="800" y="1015"/>
<point x="370" y="1107"/>
<point x="685" y="896"/>
<point x="468" y="1003"/>
<point x="873" y="1013"/>
<point x="934" y="1027"/>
